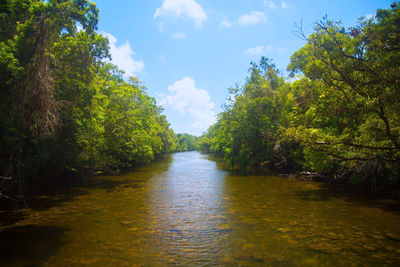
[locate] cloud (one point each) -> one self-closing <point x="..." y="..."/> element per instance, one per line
<point x="261" y="49"/>
<point x="257" y="50"/>
<point x="255" y="17"/>
<point x="187" y="99"/>
<point x="122" y="56"/>
<point x="284" y="4"/>
<point x="274" y="4"/>
<point x="161" y="27"/>
<point x="271" y="4"/>
<point x="186" y="8"/>
<point x="225" y="23"/>
<point x="178" y="35"/>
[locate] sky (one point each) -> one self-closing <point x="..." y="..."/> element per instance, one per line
<point x="189" y="52"/>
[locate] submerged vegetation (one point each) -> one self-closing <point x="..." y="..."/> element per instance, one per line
<point x="340" y="116"/>
<point x="185" y="210"/>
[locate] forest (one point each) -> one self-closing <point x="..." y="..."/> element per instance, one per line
<point x="301" y="167"/>
<point x="338" y="114"/>
<point x="64" y="109"/>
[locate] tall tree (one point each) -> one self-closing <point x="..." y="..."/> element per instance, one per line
<point x="356" y="118"/>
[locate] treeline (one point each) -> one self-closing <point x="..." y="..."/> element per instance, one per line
<point x="339" y="117"/>
<point x="63" y="108"/>
<point x="186" y="142"/>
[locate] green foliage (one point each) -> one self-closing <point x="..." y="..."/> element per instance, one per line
<point x="121" y="127"/>
<point x="186" y="142"/>
<point x="247" y="131"/>
<point x="62" y="108"/>
<point x="355" y="120"/>
<point x="340" y="117"/>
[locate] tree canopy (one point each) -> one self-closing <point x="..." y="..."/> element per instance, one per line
<point x="339" y="116"/>
<point x="63" y="108"/>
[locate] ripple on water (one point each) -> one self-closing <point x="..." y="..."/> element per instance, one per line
<point x="184" y="210"/>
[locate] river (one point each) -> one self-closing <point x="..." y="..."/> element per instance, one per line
<point x="186" y="210"/>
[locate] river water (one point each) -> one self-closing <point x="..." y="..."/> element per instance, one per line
<point x="186" y="210"/>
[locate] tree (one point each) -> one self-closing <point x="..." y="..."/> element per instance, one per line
<point x="63" y="109"/>
<point x="246" y="133"/>
<point x="340" y="117"/>
<point x="186" y="142"/>
<point x="355" y="122"/>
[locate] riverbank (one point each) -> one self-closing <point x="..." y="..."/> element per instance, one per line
<point x="68" y="180"/>
<point x="389" y="193"/>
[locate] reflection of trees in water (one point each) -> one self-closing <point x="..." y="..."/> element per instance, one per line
<point x="29" y="245"/>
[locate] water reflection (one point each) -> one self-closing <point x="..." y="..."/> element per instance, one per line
<point x="187" y="210"/>
<point x="20" y="243"/>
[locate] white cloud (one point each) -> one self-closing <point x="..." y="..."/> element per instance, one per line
<point x="268" y="48"/>
<point x="122" y="56"/>
<point x="225" y="23"/>
<point x="186" y="98"/>
<point x="178" y="35"/>
<point x="274" y="4"/>
<point x="284" y="4"/>
<point x="255" y="50"/>
<point x="178" y="8"/>
<point x="261" y="49"/>
<point x="161" y="27"/>
<point x="270" y="3"/>
<point x="255" y="17"/>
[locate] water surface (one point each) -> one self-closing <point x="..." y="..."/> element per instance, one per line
<point x="186" y="210"/>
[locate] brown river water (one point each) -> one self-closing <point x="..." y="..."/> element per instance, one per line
<point x="186" y="210"/>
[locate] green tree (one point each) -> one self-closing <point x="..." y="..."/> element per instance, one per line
<point x="355" y="122"/>
<point x="186" y="142"/>
<point x="29" y="109"/>
<point x="62" y="108"/>
<point x="247" y="132"/>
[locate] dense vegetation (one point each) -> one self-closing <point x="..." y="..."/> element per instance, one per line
<point x="63" y="108"/>
<point x="340" y="116"/>
<point x="186" y="142"/>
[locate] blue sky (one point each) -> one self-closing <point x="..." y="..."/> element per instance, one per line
<point x="189" y="52"/>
